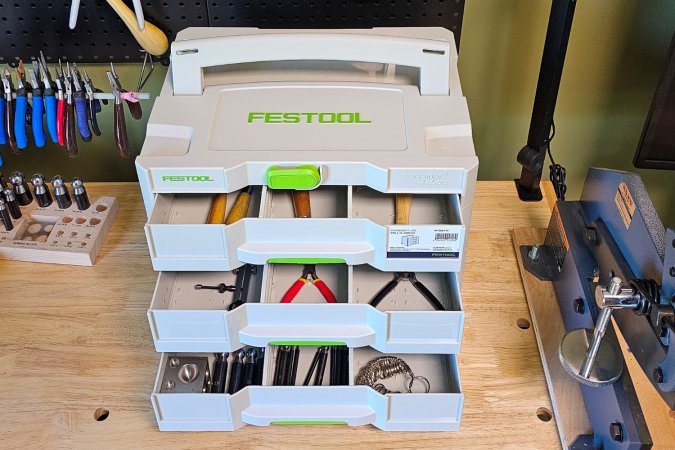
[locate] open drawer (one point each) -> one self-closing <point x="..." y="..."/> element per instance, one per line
<point x="180" y="409"/>
<point x="352" y="224"/>
<point x="186" y="319"/>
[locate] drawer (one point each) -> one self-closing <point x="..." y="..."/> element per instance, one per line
<point x="184" y="319"/>
<point x="438" y="410"/>
<point x="352" y="224"/>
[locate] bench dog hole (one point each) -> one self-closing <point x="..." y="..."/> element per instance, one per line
<point x="101" y="414"/>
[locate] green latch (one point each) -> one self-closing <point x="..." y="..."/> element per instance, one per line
<point x="301" y="177"/>
<point x="306" y="261"/>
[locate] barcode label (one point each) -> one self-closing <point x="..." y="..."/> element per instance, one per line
<point x="446" y="236"/>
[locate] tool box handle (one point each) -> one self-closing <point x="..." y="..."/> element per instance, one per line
<point x="190" y="57"/>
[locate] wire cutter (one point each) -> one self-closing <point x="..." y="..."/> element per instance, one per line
<point x="407" y="276"/>
<point x="38" y="106"/>
<point x="309" y="274"/>
<point x="80" y="98"/>
<point x="49" y="95"/>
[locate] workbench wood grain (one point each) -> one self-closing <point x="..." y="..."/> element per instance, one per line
<point x="75" y="339"/>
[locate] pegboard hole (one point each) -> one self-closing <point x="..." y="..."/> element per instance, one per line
<point x="544" y="415"/>
<point x="523" y="323"/>
<point x="101" y="414"/>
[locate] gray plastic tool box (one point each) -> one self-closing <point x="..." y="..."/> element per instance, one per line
<point x="355" y="117"/>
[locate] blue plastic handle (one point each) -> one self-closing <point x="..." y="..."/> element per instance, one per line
<point x="82" y="124"/>
<point x="3" y="138"/>
<point x="50" y="106"/>
<point x="20" y="121"/>
<point x="36" y="122"/>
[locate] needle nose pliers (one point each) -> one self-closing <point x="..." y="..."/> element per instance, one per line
<point x="409" y="276"/>
<point x="309" y="274"/>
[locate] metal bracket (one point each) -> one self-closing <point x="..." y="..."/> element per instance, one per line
<point x="536" y="259"/>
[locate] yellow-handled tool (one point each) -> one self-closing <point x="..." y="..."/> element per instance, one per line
<point x="240" y="208"/>
<point x="150" y="37"/>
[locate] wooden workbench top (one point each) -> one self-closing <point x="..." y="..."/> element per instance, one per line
<point x="75" y="339"/>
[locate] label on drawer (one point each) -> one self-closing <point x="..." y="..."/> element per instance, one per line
<point x="424" y="241"/>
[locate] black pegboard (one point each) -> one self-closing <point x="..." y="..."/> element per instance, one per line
<point x="338" y="14"/>
<point x="26" y="28"/>
<point x="100" y="36"/>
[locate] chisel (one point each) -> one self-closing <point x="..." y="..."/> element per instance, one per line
<point x="240" y="208"/>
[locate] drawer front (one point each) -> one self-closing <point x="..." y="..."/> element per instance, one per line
<point x="185" y="319"/>
<point x="356" y="405"/>
<point x="354" y="224"/>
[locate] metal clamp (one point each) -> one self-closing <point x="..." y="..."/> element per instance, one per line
<point x="588" y="355"/>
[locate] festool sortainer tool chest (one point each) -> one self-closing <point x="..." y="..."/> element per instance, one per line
<point x="354" y="117"/>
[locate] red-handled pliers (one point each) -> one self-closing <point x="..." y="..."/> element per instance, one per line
<point x="309" y="274"/>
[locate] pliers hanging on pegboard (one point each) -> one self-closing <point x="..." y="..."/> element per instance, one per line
<point x="8" y="119"/>
<point x="309" y="274"/>
<point x="407" y="276"/>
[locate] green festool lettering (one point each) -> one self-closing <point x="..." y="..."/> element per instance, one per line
<point x="307" y="117"/>
<point x="186" y="178"/>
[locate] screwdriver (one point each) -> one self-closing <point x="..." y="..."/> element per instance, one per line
<point x="240" y="208"/>
<point x="50" y="98"/>
<point x="217" y="211"/>
<point x="219" y="373"/>
<point x="38" y="107"/>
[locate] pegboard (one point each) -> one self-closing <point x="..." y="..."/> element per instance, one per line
<point x="26" y="28"/>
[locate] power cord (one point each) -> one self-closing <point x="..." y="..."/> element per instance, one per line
<point x="557" y="173"/>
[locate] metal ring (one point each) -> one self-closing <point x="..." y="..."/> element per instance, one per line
<point x="423" y="380"/>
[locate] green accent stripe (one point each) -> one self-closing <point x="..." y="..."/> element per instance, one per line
<point x="306" y="261"/>
<point x="307" y="343"/>
<point x="308" y="422"/>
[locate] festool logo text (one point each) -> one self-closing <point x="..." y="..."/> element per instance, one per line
<point x="186" y="178"/>
<point x="306" y="117"/>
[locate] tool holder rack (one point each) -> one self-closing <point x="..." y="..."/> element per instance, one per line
<point x="438" y="410"/>
<point x="426" y="150"/>
<point x="59" y="236"/>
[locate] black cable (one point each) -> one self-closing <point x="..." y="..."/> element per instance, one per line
<point x="557" y="173"/>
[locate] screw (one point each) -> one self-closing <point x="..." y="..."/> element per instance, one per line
<point x="658" y="375"/>
<point x="533" y="254"/>
<point x="579" y="306"/>
<point x="173" y="362"/>
<point x="169" y="385"/>
<point x="616" y="431"/>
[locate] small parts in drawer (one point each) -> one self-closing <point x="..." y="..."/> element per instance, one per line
<point x="238" y="211"/>
<point x="309" y="274"/>
<point x="407" y="276"/>
<point x="245" y="369"/>
<point x="186" y="374"/>
<point x="240" y="288"/>
<point x="387" y="367"/>
<point x="287" y="361"/>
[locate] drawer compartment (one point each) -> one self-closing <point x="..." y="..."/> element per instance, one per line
<point x="354" y="225"/>
<point x="438" y="410"/>
<point x="188" y="320"/>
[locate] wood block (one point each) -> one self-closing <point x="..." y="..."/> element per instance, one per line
<point x="59" y="236"/>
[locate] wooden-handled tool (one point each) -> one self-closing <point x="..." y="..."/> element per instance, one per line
<point x="301" y="204"/>
<point x="217" y="211"/>
<point x="403" y="204"/>
<point x="151" y="38"/>
<point x="240" y="208"/>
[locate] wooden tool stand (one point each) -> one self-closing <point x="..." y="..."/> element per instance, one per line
<point x="59" y="236"/>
